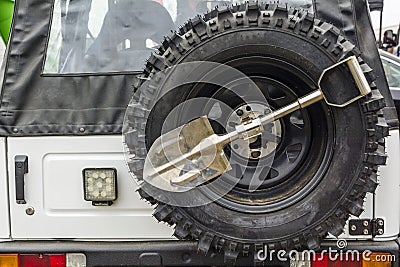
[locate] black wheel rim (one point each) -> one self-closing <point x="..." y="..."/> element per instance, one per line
<point x="306" y="140"/>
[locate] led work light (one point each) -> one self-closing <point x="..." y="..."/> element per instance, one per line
<point x="100" y="185"/>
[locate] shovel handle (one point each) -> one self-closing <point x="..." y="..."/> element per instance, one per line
<point x="358" y="76"/>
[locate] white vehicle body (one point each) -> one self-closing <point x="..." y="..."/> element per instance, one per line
<point x="56" y="218"/>
<point x="54" y="189"/>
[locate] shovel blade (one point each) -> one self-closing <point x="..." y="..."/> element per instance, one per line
<point x="172" y="163"/>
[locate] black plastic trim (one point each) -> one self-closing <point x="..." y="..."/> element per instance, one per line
<point x="168" y="253"/>
<point x="21" y="168"/>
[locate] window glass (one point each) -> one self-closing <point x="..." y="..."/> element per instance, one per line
<point x="392" y="72"/>
<point x="89" y="36"/>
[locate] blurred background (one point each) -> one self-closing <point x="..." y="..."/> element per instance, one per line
<point x="390" y="18"/>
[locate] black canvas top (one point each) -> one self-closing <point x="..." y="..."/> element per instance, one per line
<point x="35" y="101"/>
<point x="375" y="5"/>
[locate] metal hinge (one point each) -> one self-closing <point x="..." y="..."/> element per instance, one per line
<point x="372" y="227"/>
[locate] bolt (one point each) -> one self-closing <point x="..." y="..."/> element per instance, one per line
<point x="235" y="146"/>
<point x="186" y="258"/>
<point x="380" y="222"/>
<point x="30" y="211"/>
<point x="380" y="231"/>
<point x="248" y="108"/>
<point x="81" y="129"/>
<point x="365" y="232"/>
<point x="239" y="112"/>
<point x="19" y="165"/>
<point x="267" y="111"/>
<point x="232" y="124"/>
<point x="365" y="223"/>
<point x="15" y="130"/>
<point x="255" y="154"/>
<point x="353" y="227"/>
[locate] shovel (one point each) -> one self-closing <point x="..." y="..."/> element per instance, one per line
<point x="193" y="154"/>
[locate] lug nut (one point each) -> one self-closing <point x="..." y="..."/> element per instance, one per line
<point x="232" y="124"/>
<point x="255" y="154"/>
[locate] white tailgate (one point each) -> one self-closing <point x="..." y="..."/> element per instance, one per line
<point x="4" y="215"/>
<point x="387" y="195"/>
<point x="54" y="189"/>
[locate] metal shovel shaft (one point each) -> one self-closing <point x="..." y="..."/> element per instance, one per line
<point x="205" y="152"/>
<point x="255" y="126"/>
<point x="242" y="131"/>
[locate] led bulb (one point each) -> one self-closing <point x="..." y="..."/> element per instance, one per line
<point x="100" y="185"/>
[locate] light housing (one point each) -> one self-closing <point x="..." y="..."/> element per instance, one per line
<point x="32" y="260"/>
<point x="43" y="260"/>
<point x="9" y="260"/>
<point x="100" y="185"/>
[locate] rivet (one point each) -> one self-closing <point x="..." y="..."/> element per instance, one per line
<point x="255" y="154"/>
<point x="81" y="129"/>
<point x="30" y="211"/>
<point x="365" y="232"/>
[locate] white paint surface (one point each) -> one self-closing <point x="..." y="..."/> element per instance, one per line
<point x="54" y="188"/>
<point x="387" y="195"/>
<point x="4" y="211"/>
<point x="2" y="51"/>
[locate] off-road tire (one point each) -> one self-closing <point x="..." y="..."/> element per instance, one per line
<point x="266" y="19"/>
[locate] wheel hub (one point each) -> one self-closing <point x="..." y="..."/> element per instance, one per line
<point x="256" y="147"/>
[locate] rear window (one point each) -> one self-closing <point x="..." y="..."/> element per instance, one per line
<point x="100" y="36"/>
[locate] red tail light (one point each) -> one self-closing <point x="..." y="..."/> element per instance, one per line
<point x="42" y="260"/>
<point x="324" y="261"/>
<point x="372" y="259"/>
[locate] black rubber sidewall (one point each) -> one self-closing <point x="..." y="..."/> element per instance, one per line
<point x="348" y="148"/>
